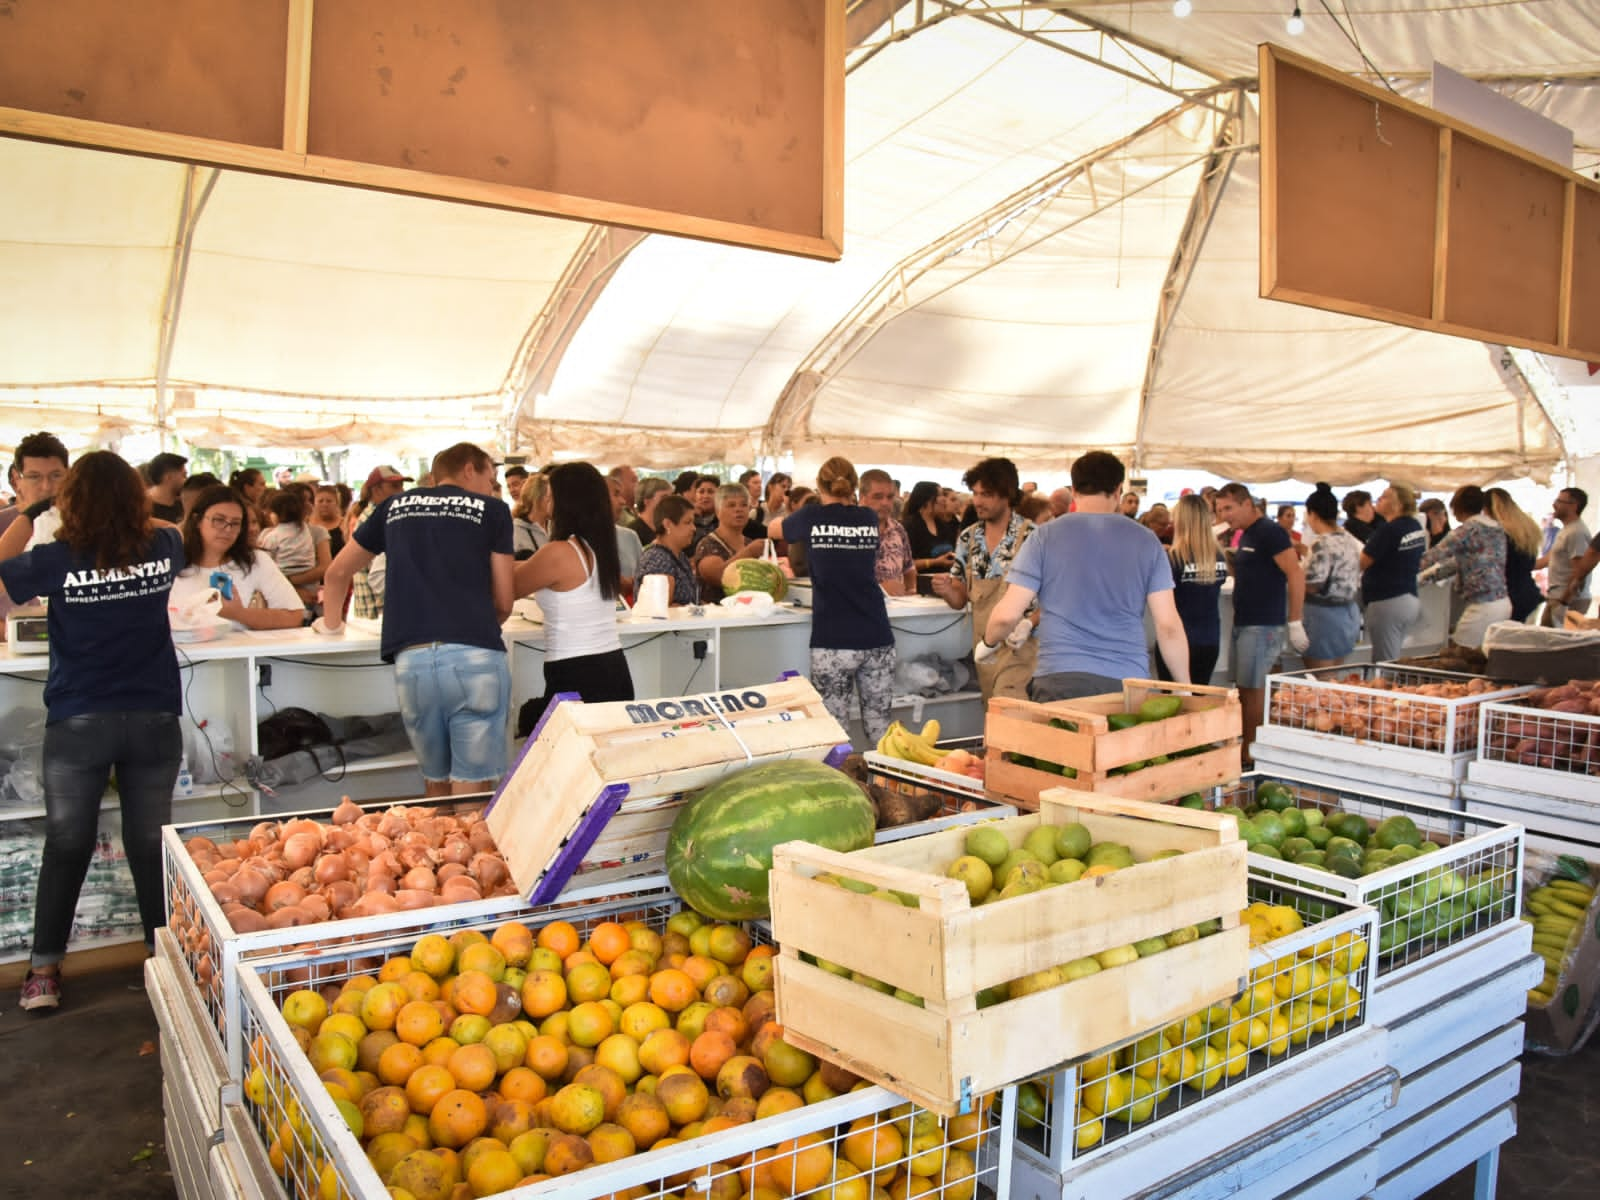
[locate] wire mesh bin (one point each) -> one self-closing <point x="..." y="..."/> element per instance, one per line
<point x="1538" y="750"/>
<point x="1421" y="721"/>
<point x="1437" y="878"/>
<point x="838" y="1144"/>
<point x="211" y="949"/>
<point x="1310" y="973"/>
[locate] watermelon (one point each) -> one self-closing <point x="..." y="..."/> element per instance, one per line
<point x="754" y="575"/>
<point x="720" y="847"/>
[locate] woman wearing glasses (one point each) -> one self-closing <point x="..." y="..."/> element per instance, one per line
<point x="255" y="593"/>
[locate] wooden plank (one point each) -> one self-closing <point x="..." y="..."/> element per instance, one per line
<point x="1441" y="225"/>
<point x="297" y="77"/>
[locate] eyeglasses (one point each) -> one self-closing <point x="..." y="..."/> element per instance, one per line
<point x="35" y="478"/>
<point x="223" y="524"/>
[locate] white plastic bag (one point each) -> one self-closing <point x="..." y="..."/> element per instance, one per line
<point x="749" y="604"/>
<point x="200" y="620"/>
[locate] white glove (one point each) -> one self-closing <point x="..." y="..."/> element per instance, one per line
<point x="320" y="628"/>
<point x="984" y="652"/>
<point x="1018" y="637"/>
<point x="1299" y="640"/>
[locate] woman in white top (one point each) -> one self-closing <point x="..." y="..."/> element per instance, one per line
<point x="216" y="543"/>
<point x="576" y="578"/>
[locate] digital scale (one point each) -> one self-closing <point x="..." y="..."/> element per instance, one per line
<point x="28" y="631"/>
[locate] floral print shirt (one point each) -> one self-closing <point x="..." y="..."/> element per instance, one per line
<point x="1475" y="553"/>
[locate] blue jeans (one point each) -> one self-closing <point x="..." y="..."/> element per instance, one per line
<point x="1256" y="650"/>
<point x="79" y="753"/>
<point x="455" y="701"/>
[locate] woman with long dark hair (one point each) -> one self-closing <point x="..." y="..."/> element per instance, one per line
<point x="216" y="543"/>
<point x="112" y="697"/>
<point x="933" y="537"/>
<point x="576" y="577"/>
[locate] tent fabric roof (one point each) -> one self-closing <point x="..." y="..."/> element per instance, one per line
<point x="1050" y="244"/>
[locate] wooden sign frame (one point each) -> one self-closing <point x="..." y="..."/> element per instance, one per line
<point x="1378" y="207"/>
<point x="710" y="120"/>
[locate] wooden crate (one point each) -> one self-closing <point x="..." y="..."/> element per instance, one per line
<point x="1210" y="717"/>
<point x="946" y="950"/>
<point x="597" y="786"/>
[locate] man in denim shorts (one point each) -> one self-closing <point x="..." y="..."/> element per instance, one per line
<point x="449" y="587"/>
<point x="1269" y="591"/>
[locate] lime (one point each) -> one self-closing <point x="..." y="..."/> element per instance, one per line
<point x="1072" y="841"/>
<point x="1041" y="843"/>
<point x="988" y="844"/>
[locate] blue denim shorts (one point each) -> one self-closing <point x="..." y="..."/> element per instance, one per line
<point x="1256" y="648"/>
<point x="455" y="701"/>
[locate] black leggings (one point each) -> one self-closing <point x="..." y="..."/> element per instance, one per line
<point x="596" y="678"/>
<point x="1202" y="661"/>
<point x="79" y="753"/>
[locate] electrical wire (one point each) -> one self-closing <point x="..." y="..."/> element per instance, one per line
<point x="231" y="782"/>
<point x="1354" y="40"/>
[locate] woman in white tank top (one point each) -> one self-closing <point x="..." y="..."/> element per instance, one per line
<point x="576" y="578"/>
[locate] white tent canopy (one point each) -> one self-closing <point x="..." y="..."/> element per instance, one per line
<point x="1051" y="244"/>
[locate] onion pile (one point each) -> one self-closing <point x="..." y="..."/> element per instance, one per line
<point x="1381" y="710"/>
<point x="1554" y="745"/>
<point x="360" y="864"/>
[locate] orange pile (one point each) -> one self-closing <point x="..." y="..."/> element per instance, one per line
<point x="475" y="1065"/>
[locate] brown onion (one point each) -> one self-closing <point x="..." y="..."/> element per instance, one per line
<point x="301" y="848"/>
<point x="419" y="879"/>
<point x="225" y="892"/>
<point x="456" y="849"/>
<point x="317" y="907"/>
<point x="460" y="890"/>
<point x="489" y="869"/>
<point x="341" y="837"/>
<point x="246" y="920"/>
<point x="252" y="884"/>
<point x="449" y="871"/>
<point x="305" y="877"/>
<point x="347" y="813"/>
<point x="411" y="898"/>
<point x="287" y="894"/>
<point x="288" y="918"/>
<point x="388" y="863"/>
<point x="330" y="867"/>
<point x="198" y="845"/>
<point x="380" y="881"/>
<point x="340" y="893"/>
<point x="480" y="837"/>
<point x="415" y="856"/>
<point x="374" y="903"/>
<point x="393" y="824"/>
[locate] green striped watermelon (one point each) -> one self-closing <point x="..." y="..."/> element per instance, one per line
<point x="720" y="847"/>
<point x="754" y="575"/>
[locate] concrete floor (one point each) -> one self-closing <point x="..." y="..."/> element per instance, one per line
<point x="82" y="1109"/>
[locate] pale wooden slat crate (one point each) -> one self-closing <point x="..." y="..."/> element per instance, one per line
<point x="946" y="950"/>
<point x="1210" y="716"/>
<point x="598" y="785"/>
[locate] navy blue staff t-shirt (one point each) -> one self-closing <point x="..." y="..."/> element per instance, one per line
<point x="110" y="639"/>
<point x="1395" y="549"/>
<point x="841" y="541"/>
<point x="1197" y="601"/>
<point x="1260" y="593"/>
<point x="439" y="542"/>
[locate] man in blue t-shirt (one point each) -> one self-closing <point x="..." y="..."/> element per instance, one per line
<point x="449" y="587"/>
<point x="1269" y="592"/>
<point x="1094" y="572"/>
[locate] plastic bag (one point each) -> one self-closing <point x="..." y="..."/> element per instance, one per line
<point x="749" y="604"/>
<point x="1513" y="635"/>
<point x="200" y="620"/>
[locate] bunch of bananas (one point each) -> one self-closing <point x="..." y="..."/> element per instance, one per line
<point x="899" y="742"/>
<point x="1557" y="912"/>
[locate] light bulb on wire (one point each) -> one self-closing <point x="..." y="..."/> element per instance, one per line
<point x="1296" y="24"/>
<point x="1182" y="8"/>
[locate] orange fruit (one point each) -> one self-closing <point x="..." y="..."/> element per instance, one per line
<point x="555" y="1025"/>
<point x="757" y="972"/>
<point x="419" y="1023"/>
<point x="419" y="985"/>
<point x="474" y="994"/>
<point x="473" y="1067"/>
<point x="509" y="1119"/>
<point x="578" y="958"/>
<point x="462" y="938"/>
<point x="590" y="1023"/>
<point x="567" y="1152"/>
<point x="742" y="1077"/>
<point x="578" y="1057"/>
<point x="382" y="1005"/>
<point x="457" y="1118"/>
<point x="786" y="1065"/>
<point x="426" y="1085"/>
<point x="709" y="1051"/>
<point x="640" y="1020"/>
<point x="523" y="1083"/>
<point x="777" y="1100"/>
<point x="607" y="1082"/>
<point x="385" y="1150"/>
<point x="588" y="981"/>
<point x="559" y="936"/>
<point x="662" y="1049"/>
<point x="529" y="1149"/>
<point x="729" y="1021"/>
<point x="543" y="992"/>
<point x="672" y="990"/>
<point x="684" y="1097"/>
<point x="437" y="1052"/>
<point x="394" y="970"/>
<point x="610" y="1142"/>
<point x="608" y="941"/>
<point x="631" y="962"/>
<point x="800" y="1164"/>
<point x="482" y="956"/>
<point x="370" y="1049"/>
<point x="514" y="940"/>
<point x="630" y="989"/>
<point x="728" y="944"/>
<point x="384" y="1110"/>
<point x="493" y="1171"/>
<point x="726" y="991"/>
<point x="577" y="1109"/>
<point x="691" y="1021"/>
<point x="433" y="954"/>
<point x="702" y="970"/>
<point x="397" y="1062"/>
<point x="644" y="938"/>
<point x="620" y="1053"/>
<point x="547" y="1056"/>
<point x="645" y="1117"/>
<point x="761" y="1008"/>
<point x="875" y="1147"/>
